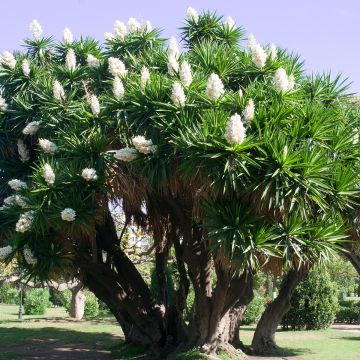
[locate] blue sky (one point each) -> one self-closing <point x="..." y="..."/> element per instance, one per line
<point x="325" y="33"/>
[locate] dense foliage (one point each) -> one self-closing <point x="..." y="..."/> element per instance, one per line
<point x="314" y="303"/>
<point x="36" y="301"/>
<point x="254" y="310"/>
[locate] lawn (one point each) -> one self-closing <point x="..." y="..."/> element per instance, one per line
<point x="56" y="336"/>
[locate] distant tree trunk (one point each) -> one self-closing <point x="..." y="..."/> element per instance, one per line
<point x="77" y="302"/>
<point x="264" y="337"/>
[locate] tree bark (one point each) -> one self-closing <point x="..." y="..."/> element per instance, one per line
<point x="264" y="337"/>
<point x="352" y="256"/>
<point x="77" y="302"/>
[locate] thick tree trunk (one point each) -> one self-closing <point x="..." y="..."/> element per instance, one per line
<point x="77" y="302"/>
<point x="264" y="337"/>
<point x="236" y="315"/>
<point x="352" y="256"/>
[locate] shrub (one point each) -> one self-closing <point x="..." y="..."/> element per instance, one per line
<point x="91" y="305"/>
<point x="9" y="294"/>
<point x="314" y="303"/>
<point x="36" y="301"/>
<point x="254" y="310"/>
<point x="154" y="287"/>
<point x="348" y="313"/>
<point x="65" y="300"/>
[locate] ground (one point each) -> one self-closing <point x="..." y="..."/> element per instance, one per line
<point x="54" y="336"/>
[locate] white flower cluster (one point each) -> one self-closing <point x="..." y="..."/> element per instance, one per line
<point x="89" y="174"/>
<point x="15" y="200"/>
<point x="119" y="30"/>
<point x="118" y="88"/>
<point x="259" y="56"/>
<point x="48" y="174"/>
<point x="185" y="74"/>
<point x="214" y="87"/>
<point x="282" y="81"/>
<point x="172" y="65"/>
<point x="5" y="252"/>
<point x="25" y="66"/>
<point x="48" y="146"/>
<point x="31" y="128"/>
<point x="58" y="91"/>
<point x="68" y="214"/>
<point x="229" y="22"/>
<point x="94" y="105"/>
<point x="145" y="77"/>
<point x="25" y="221"/>
<point x="251" y="42"/>
<point x="35" y="29"/>
<point x="240" y="92"/>
<point x="92" y="61"/>
<point x="272" y="51"/>
<point x="235" y="132"/>
<point x="257" y="52"/>
<point x="173" y="54"/>
<point x="8" y="59"/>
<point x="3" y="104"/>
<point x="142" y="145"/>
<point x="29" y="256"/>
<point x="70" y="60"/>
<point x="23" y="151"/>
<point x="178" y="96"/>
<point x="17" y="184"/>
<point x="249" y="111"/>
<point x="68" y="37"/>
<point x="126" y="154"/>
<point x="116" y="67"/>
<point x="192" y="15"/>
<point x="173" y="49"/>
<point x="133" y="25"/>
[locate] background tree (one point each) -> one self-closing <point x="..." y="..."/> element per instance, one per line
<point x="227" y="154"/>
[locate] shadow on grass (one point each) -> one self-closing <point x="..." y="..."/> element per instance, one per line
<point x="55" y="343"/>
<point x="351" y="338"/>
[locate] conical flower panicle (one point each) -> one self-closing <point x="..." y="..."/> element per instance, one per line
<point x="192" y="15"/>
<point x="118" y="88"/>
<point x="185" y="74"/>
<point x="235" y="132"/>
<point x="145" y="77"/>
<point x="215" y="87"/>
<point x="35" y="29"/>
<point x="119" y="30"/>
<point x="178" y="96"/>
<point x="68" y="37"/>
<point x="25" y="66"/>
<point x="8" y="59"/>
<point x="70" y="59"/>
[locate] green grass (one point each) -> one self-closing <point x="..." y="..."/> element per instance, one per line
<point x="327" y="344"/>
<point x="56" y="328"/>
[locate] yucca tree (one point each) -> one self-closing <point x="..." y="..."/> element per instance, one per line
<point x="229" y="154"/>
